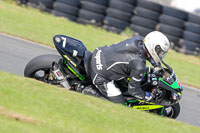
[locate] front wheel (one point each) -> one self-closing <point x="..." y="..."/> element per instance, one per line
<point x="172" y="111"/>
<point x="39" y="68"/>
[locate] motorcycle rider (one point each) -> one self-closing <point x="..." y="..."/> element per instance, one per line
<point x="127" y="59"/>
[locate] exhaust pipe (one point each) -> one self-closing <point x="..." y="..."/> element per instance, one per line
<point x="60" y="76"/>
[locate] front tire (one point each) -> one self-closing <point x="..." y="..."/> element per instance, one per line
<point x="172" y="111"/>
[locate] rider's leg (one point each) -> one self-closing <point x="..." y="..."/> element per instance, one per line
<point x="113" y="93"/>
<point x="117" y="99"/>
<point x="108" y="89"/>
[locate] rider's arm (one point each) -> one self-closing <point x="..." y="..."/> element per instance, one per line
<point x="137" y="70"/>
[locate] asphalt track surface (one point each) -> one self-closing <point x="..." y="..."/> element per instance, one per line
<point x="15" y="54"/>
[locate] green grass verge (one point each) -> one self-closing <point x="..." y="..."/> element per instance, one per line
<point x="30" y="106"/>
<point x="41" y="27"/>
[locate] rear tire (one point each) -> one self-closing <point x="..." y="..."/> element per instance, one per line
<point x="43" y="62"/>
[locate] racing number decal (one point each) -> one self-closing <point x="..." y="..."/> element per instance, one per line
<point x="64" y="41"/>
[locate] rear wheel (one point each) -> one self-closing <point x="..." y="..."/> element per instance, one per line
<point x="39" y="68"/>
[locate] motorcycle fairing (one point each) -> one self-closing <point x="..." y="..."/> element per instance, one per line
<point x="72" y="50"/>
<point x="175" y="85"/>
<point x="146" y="106"/>
<point x="74" y="71"/>
<point x="175" y="88"/>
<point x="69" y="45"/>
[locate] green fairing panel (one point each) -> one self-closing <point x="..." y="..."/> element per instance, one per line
<point x="174" y="85"/>
<point x="147" y="107"/>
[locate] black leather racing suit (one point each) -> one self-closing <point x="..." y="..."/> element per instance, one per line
<point x="125" y="59"/>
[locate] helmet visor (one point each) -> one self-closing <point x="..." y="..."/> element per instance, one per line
<point x="160" y="52"/>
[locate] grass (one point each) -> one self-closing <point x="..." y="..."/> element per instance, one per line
<point x="187" y="68"/>
<point x="31" y="106"/>
<point x="40" y="27"/>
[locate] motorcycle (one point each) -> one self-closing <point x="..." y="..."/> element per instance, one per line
<point x="71" y="72"/>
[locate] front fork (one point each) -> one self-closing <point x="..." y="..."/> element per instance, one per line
<point x="60" y="76"/>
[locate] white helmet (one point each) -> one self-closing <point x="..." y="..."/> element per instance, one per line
<point x="157" y="45"/>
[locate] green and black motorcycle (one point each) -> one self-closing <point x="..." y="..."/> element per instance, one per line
<point x="69" y="71"/>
